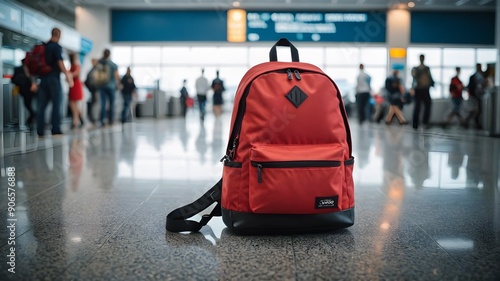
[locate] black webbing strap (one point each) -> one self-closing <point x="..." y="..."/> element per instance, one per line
<point x="177" y="220"/>
<point x="283" y="42"/>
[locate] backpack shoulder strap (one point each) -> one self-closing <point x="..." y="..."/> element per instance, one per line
<point x="177" y="220"/>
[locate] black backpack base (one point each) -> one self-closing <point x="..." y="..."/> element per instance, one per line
<point x="253" y="224"/>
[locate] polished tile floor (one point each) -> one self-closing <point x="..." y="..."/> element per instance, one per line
<point x="92" y="205"/>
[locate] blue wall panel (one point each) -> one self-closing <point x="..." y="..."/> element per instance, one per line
<point x="154" y="26"/>
<point x="476" y="28"/>
<point x="211" y="26"/>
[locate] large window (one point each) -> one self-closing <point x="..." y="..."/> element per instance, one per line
<point x="443" y="61"/>
<point x="170" y="65"/>
<point x="342" y="64"/>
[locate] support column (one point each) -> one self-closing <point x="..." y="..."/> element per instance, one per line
<point x="496" y="129"/>
<point x="496" y="109"/>
<point x="2" y="145"/>
<point x="1" y="96"/>
<point x="94" y="23"/>
<point x="398" y="40"/>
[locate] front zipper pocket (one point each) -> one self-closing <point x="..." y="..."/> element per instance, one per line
<point x="294" y="179"/>
<point x="292" y="164"/>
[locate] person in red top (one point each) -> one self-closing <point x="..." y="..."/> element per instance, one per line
<point x="456" y="88"/>
<point x="75" y="92"/>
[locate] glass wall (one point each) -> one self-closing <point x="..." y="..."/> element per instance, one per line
<point x="172" y="64"/>
<point x="443" y="61"/>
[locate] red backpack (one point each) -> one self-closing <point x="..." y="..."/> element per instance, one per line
<point x="36" y="62"/>
<point x="288" y="166"/>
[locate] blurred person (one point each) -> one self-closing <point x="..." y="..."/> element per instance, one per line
<point x="395" y="92"/>
<point x="378" y="115"/>
<point x="456" y="88"/>
<point x="184" y="97"/>
<point x="50" y="85"/>
<point x="476" y="86"/>
<point x="422" y="82"/>
<point x="108" y="88"/>
<point x="363" y="89"/>
<point x="75" y="92"/>
<point x="218" y="88"/>
<point x="202" y="88"/>
<point x="128" y="90"/>
<point x="92" y="87"/>
<point x="27" y="89"/>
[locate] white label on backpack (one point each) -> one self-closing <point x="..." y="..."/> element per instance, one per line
<point x="327" y="202"/>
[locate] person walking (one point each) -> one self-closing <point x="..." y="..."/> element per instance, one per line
<point x="91" y="86"/>
<point x="27" y="89"/>
<point x="475" y="88"/>
<point x="363" y="89"/>
<point x="456" y="88"/>
<point x="108" y="80"/>
<point x="128" y="89"/>
<point x="202" y="88"/>
<point x="395" y="92"/>
<point x="218" y="88"/>
<point x="50" y="85"/>
<point x="422" y="82"/>
<point x="75" y="92"/>
<point x="184" y="97"/>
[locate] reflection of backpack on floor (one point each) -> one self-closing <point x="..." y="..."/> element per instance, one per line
<point x="101" y="74"/>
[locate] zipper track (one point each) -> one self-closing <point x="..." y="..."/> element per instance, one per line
<point x="297" y="164"/>
<point x="293" y="164"/>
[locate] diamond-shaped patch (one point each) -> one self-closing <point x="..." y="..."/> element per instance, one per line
<point x="296" y="96"/>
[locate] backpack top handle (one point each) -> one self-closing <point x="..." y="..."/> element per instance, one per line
<point x="283" y="42"/>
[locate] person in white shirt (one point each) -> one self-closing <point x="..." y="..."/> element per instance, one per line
<point x="202" y="88"/>
<point x="362" y="93"/>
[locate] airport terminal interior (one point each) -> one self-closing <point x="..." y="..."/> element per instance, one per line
<point x="91" y="203"/>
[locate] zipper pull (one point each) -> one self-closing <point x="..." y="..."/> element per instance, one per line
<point x="289" y="72"/>
<point x="297" y="74"/>
<point x="233" y="149"/>
<point x="224" y="158"/>
<point x="259" y="173"/>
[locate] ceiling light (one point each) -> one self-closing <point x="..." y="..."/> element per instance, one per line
<point x="399" y="6"/>
<point x="236" y="4"/>
<point x="411" y="4"/>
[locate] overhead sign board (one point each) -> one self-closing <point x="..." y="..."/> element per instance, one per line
<point x="317" y="26"/>
<point x="10" y="17"/>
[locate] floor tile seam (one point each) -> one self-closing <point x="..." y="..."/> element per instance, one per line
<point x="32" y="226"/>
<point x="125" y="220"/>
<point x="40" y="193"/>
<point x="60" y="209"/>
<point x="17" y="153"/>
<point x="436" y="134"/>
<point x="295" y="266"/>
<point x="462" y="268"/>
<point x="53" y="145"/>
<point x="450" y="135"/>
